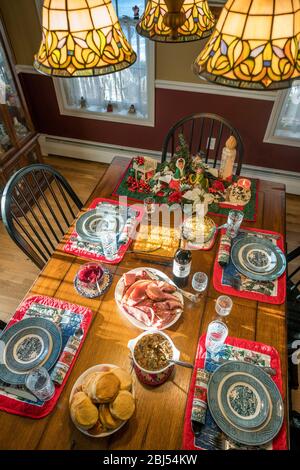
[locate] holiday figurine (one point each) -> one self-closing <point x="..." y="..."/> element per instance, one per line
<point x="197" y="178"/>
<point x="132" y="109"/>
<point x="228" y="159"/>
<point x="136" y="12"/>
<point x="179" y="172"/>
<point x="82" y="102"/>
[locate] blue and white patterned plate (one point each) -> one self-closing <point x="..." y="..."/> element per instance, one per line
<point x="27" y="344"/>
<point x="245" y="403"/>
<point x="244" y="400"/>
<point x="258" y="258"/>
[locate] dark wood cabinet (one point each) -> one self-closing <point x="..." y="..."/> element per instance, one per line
<point x="18" y="139"/>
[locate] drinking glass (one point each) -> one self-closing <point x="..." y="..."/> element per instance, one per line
<point x="109" y="245"/>
<point x="216" y="334"/>
<point x="223" y="305"/>
<point x="39" y="382"/>
<point x="199" y="282"/>
<point x="149" y="203"/>
<point x="234" y="221"/>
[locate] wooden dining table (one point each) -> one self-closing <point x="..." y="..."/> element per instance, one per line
<point x="159" y="417"/>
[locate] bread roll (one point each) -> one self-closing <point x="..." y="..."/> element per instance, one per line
<point x="124" y="377"/>
<point x="83" y="411"/>
<point x="123" y="406"/>
<point x="105" y="388"/>
<point x="106" y="418"/>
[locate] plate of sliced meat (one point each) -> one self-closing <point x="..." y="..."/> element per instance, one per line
<point x="146" y="302"/>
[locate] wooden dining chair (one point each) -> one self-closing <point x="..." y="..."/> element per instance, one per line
<point x="293" y="312"/>
<point x="38" y="206"/>
<point x="205" y="134"/>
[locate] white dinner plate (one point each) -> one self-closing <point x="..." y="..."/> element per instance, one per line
<point x="79" y="382"/>
<point x="119" y="295"/>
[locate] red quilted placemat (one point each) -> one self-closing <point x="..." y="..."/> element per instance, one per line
<point x="77" y="247"/>
<point x="280" y="441"/>
<point x="21" y="406"/>
<point x="278" y="294"/>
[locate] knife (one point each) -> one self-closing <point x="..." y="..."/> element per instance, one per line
<point x="260" y="234"/>
<point x="19" y="393"/>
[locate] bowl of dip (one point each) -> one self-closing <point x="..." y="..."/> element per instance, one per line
<point x="151" y="352"/>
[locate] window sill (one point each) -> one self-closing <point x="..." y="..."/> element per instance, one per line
<point x="120" y="117"/>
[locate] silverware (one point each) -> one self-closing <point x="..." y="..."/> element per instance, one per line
<point x="22" y="393"/>
<point x="144" y="251"/>
<point x="269" y="370"/>
<point x="153" y="261"/>
<point x="188" y="295"/>
<point x="260" y="234"/>
<point x="228" y="444"/>
<point x="79" y="333"/>
<point x="182" y="363"/>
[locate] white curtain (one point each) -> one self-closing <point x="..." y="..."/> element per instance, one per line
<point x="122" y="89"/>
<point x="288" y="124"/>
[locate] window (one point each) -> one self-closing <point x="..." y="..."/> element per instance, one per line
<point x="284" y="124"/>
<point x="133" y="87"/>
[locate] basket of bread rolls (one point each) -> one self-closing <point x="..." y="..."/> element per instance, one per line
<point x="102" y="400"/>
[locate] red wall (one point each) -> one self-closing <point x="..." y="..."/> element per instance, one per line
<point x="249" y="116"/>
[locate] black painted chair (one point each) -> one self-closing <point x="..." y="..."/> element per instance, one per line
<point x="199" y="131"/>
<point x="38" y="206"/>
<point x="293" y="313"/>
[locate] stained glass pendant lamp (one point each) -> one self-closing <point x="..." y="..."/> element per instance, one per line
<point x="255" y="45"/>
<point x="176" y="20"/>
<point x="82" y="38"/>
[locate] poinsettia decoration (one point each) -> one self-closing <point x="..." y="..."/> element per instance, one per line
<point x="140" y="161"/>
<point x="140" y="186"/>
<point x="217" y="186"/>
<point x="175" y="197"/>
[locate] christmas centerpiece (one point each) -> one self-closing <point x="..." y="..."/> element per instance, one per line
<point x="187" y="180"/>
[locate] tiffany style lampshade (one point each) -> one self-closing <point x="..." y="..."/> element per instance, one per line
<point x="194" y="20"/>
<point x="255" y="45"/>
<point x="82" y="38"/>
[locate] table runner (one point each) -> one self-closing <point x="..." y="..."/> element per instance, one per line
<point x="235" y="349"/>
<point x="124" y="188"/>
<point x="272" y="292"/>
<point x="78" y="247"/>
<point x="64" y="315"/>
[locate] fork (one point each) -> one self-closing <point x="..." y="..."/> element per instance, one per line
<point x="188" y="295"/>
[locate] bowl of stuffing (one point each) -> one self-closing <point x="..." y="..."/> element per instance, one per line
<point x="151" y="354"/>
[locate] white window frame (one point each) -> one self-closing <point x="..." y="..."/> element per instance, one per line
<point x="112" y="116"/>
<point x="270" y="137"/>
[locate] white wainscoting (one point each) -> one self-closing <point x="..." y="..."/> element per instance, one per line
<point x="104" y="153"/>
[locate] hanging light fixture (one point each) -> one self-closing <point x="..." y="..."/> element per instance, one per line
<point x="176" y="20"/>
<point x="82" y="38"/>
<point x="255" y="45"/>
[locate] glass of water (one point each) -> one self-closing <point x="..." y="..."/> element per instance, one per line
<point x="39" y="382"/>
<point x="234" y="221"/>
<point x="109" y="245"/>
<point x="199" y="282"/>
<point x="216" y="335"/>
<point x="223" y="305"/>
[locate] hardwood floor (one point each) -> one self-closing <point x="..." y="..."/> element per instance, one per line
<point x="18" y="273"/>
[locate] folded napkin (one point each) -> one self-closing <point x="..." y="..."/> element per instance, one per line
<point x="65" y="360"/>
<point x="200" y="396"/>
<point x="224" y="250"/>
